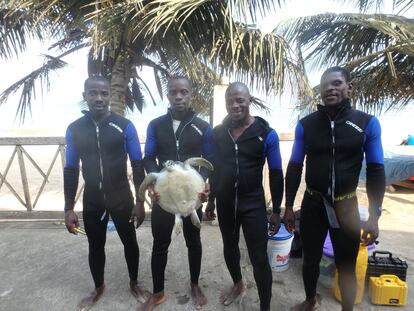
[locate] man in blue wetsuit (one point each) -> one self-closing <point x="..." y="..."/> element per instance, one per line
<point x="177" y="136"/>
<point x="102" y="141"/>
<point x="242" y="144"/>
<point x="334" y="140"/>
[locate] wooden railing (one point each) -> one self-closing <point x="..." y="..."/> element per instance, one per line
<point x="22" y="154"/>
<point x="20" y="151"/>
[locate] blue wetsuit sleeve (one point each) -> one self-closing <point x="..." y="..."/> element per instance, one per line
<point x="133" y="148"/>
<point x="70" y="172"/>
<point x="150" y="153"/>
<point x="272" y="151"/>
<point x="72" y="157"/>
<point x="298" y="150"/>
<point x="207" y="151"/>
<point x="132" y="144"/>
<point x="208" y="144"/>
<point x="375" y="167"/>
<point x="295" y="166"/>
<point x="373" y="146"/>
<point x="274" y="161"/>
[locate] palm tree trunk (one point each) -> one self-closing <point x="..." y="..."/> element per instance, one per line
<point x="121" y="74"/>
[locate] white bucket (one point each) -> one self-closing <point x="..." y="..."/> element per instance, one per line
<point x="278" y="249"/>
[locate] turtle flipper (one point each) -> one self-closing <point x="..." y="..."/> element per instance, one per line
<point x="195" y="220"/>
<point x="199" y="162"/>
<point x="148" y="180"/>
<point x="178" y="226"/>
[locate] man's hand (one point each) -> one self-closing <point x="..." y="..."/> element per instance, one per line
<point x="370" y="230"/>
<point x="138" y="214"/>
<point x="71" y="221"/>
<point x="210" y="210"/>
<point x="203" y="196"/>
<point x="289" y="219"/>
<point x="274" y="223"/>
<point x="154" y="196"/>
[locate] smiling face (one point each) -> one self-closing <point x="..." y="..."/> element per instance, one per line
<point x="179" y="95"/>
<point x="238" y="102"/>
<point x="334" y="88"/>
<point x="97" y="95"/>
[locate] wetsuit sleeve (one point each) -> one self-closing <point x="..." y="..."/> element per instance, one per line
<point x="133" y="148"/>
<point x="207" y="151"/>
<point x="150" y="153"/>
<point x="70" y="172"/>
<point x="274" y="162"/>
<point x="374" y="157"/>
<point x="295" y="166"/>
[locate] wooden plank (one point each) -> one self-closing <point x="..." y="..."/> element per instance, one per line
<point x="11" y="141"/>
<point x="8" y="167"/>
<point x="45" y="179"/>
<point x="60" y="140"/>
<point x="33" y="162"/>
<point x="286" y="136"/>
<point x="24" y="178"/>
<point x="62" y="150"/>
<point x="79" y="193"/>
<point x="17" y="196"/>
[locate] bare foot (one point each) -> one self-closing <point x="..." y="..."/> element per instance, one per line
<point x="138" y="292"/>
<point x="308" y="305"/>
<point x="88" y="302"/>
<point x="153" y="300"/>
<point x="227" y="297"/>
<point x="197" y="294"/>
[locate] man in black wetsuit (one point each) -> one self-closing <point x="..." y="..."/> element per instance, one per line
<point x="102" y="141"/>
<point x="178" y="136"/>
<point x="242" y="144"/>
<point x="334" y="140"/>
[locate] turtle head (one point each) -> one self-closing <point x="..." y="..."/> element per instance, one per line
<point x="169" y="164"/>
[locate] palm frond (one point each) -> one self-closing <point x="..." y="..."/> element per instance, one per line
<point x="16" y="28"/>
<point x="377" y="5"/>
<point x="28" y="84"/>
<point x="333" y="39"/>
<point x="379" y="45"/>
<point x="135" y="97"/>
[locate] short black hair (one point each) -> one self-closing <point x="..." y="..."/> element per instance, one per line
<point x="238" y="84"/>
<point x="179" y="78"/>
<point x="345" y="72"/>
<point x="94" y="78"/>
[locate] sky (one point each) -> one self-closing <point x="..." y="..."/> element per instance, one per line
<point x="52" y="112"/>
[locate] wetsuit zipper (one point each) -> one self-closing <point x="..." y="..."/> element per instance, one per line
<point x="236" y="152"/>
<point x="333" y="177"/>
<point x="177" y="139"/>
<point x="333" y="161"/>
<point x="329" y="206"/>
<point x="101" y="187"/>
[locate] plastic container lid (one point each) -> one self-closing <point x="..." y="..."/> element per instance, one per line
<point x="282" y="234"/>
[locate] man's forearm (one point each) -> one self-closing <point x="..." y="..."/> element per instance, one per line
<point x="138" y="175"/>
<point x="375" y="187"/>
<point x="293" y="177"/>
<point x="276" y="188"/>
<point x="150" y="164"/>
<point x="70" y="186"/>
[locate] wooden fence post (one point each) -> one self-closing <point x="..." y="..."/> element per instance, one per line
<point x="23" y="174"/>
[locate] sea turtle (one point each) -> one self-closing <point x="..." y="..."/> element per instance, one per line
<point x="178" y="184"/>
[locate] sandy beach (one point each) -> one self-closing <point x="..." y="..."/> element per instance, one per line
<point x="396" y="236"/>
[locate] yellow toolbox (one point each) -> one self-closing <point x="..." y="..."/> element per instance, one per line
<point x="387" y="290"/>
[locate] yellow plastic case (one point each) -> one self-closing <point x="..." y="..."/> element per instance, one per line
<point x="388" y="290"/>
